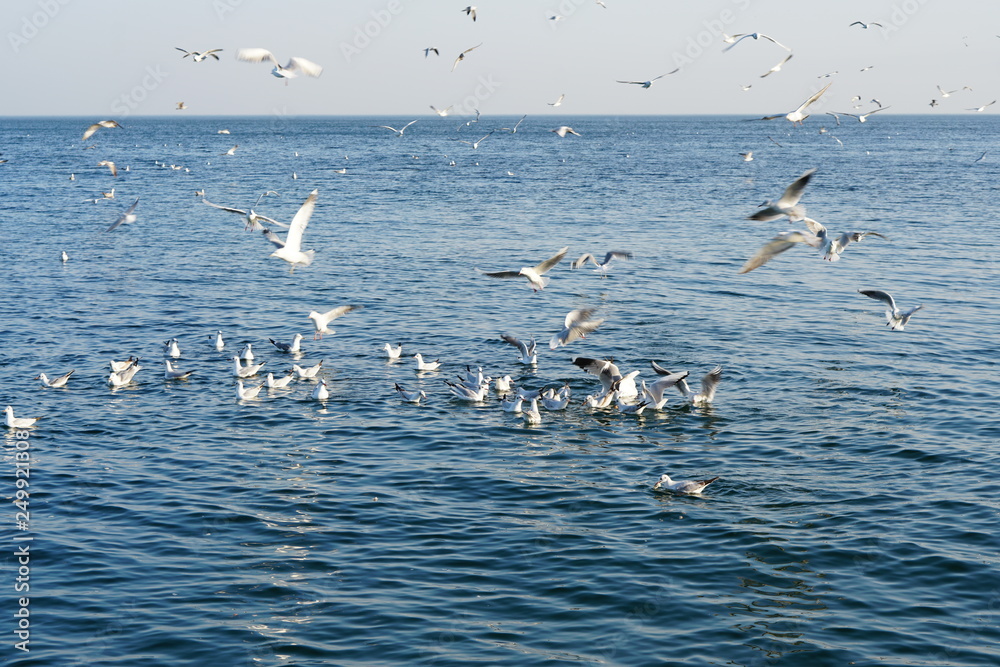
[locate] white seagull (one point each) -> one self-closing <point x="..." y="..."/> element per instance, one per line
<point x="441" y="112"/>
<point x="251" y="217"/>
<point x="797" y="115"/>
<point x="576" y="325"/>
<point x="321" y="393"/>
<point x="249" y="370"/>
<point x="111" y="167"/>
<point x="218" y="342"/>
<point x="647" y="84"/>
<point x="246" y="354"/>
<point x="779" y="244"/>
<point x="18" y="422"/>
<point x="470" y="11"/>
<point x="310" y="372"/>
<point x="280" y="383"/>
<point x="832" y="247"/>
<point x="400" y="131"/>
<point x="171" y="373"/>
<point x="198" y="56"/>
<point x="171" y="349"/>
<point x="557" y="102"/>
<point x="788" y="204"/>
<point x="531" y="414"/>
<point x="89" y="132"/>
<point x="777" y="68"/>
<point x="709" y="383"/>
<point x="896" y="319"/>
<point x="426" y="365"/>
<point x="604" y="265"/>
<point x="733" y="40"/>
<point x="534" y="274"/>
<point x="127" y="217"/>
<point x="563" y="130"/>
<point x="409" y="396"/>
<point x="294" y="68"/>
<point x="393" y="353"/>
<point x="526" y="352"/>
<point x="982" y="108"/>
<point x="291" y="252"/>
<point x="294" y="347"/>
<point x="863" y="117"/>
<point x="684" y="486"/>
<point x="461" y="56"/>
<point x="475" y="144"/>
<point x="54" y="382"/>
<point x="322" y="320"/>
<point x="247" y="393"/>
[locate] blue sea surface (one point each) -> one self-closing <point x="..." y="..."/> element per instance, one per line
<point x="855" y="518"/>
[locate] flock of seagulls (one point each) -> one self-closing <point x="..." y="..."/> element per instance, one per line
<point x="617" y="390"/>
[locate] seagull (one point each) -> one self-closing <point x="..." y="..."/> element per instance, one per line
<point x="777" y="68"/>
<point x="247" y="393"/>
<point x="18" y="422"/>
<point x="629" y="408"/>
<point x="280" y="383"/>
<point x="172" y="374"/>
<point x="181" y="106"/>
<point x="896" y="319"/>
<point x="647" y="84"/>
<point x="89" y="132"/>
<point x="555" y="401"/>
<point x="531" y="414"/>
<point x="475" y="144"/>
<point x="409" y="396"/>
<point x="128" y="216"/>
<point x="576" y="325"/>
<point x="461" y="56"/>
<point x="513" y="130"/>
<point x="399" y="132"/>
<point x="54" y="382"/>
<point x="865" y="69"/>
<point x="440" y="112"/>
<point x="684" y="486"/>
<point x="252" y="218"/>
<point x="788" y="204"/>
<point x="534" y="274"/>
<point x="798" y="115"/>
<point x="563" y="130"/>
<point x="289" y="348"/>
<point x="470" y="11"/>
<point x="249" y="370"/>
<point x="426" y="365"/>
<point x="653" y="393"/>
<point x="428" y="50"/>
<point x="294" y="68"/>
<point x="503" y="385"/>
<point x="290" y="252"/>
<point x="605" y="370"/>
<point x="982" y="108"/>
<point x="733" y="40"/>
<point x="198" y="56"/>
<point x="118" y="366"/>
<point x="110" y="165"/>
<point x="65" y="258"/>
<point x="527" y="352"/>
<point x="467" y="394"/>
<point x="310" y="372"/>
<point x="124" y="376"/>
<point x="231" y="151"/>
<point x="557" y="102"/>
<point x="831" y="247"/>
<point x="708" y="384"/>
<point x="393" y="353"/>
<point x="321" y="393"/>
<point x="865" y="25"/>
<point x="246" y="354"/>
<point x="171" y="349"/>
<point x="779" y="244"/>
<point x="512" y="404"/>
<point x="219" y="343"/>
<point x="321" y="320"/>
<point x="863" y="117"/>
<point x="604" y="265"/>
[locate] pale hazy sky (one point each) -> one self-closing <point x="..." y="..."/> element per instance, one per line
<point x="112" y="59"/>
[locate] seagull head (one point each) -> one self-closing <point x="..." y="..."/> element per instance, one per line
<point x="664" y="479"/>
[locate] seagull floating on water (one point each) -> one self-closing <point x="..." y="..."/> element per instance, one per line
<point x="409" y="396"/>
<point x="321" y="393"/>
<point x="247" y="393"/>
<point x="684" y="486"/>
<point x="249" y="370"/>
<point x="18" y="422"/>
<point x="289" y="348"/>
<point x="279" y="383"/>
<point x="171" y="373"/>
<point x="54" y="382"/>
<point x="171" y="349"/>
<point x="896" y="318"/>
<point x="426" y="365"/>
<point x="393" y="353"/>
<point x="310" y="372"/>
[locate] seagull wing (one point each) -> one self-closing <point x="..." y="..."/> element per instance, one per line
<point x="127" y="216"/>
<point x="776" y="246"/>
<point x="89" y="132"/>
<point x="615" y="254"/>
<point x="710" y="382"/>
<point x="736" y="40"/>
<point x="812" y="99"/>
<point x="501" y="274"/>
<point x="584" y="258"/>
<point x="776" y="42"/>
<point x="667" y="74"/>
<point x="776" y="67"/>
<point x="518" y="344"/>
<point x="212" y="52"/>
<point x="331" y="315"/>
<point x="307" y="67"/>
<point x="255" y="55"/>
<point x="879" y="295"/>
<point x="639" y="83"/>
<point x="793" y="193"/>
<point x="293" y="239"/>
<point x="551" y="261"/>
<point x="273" y="238"/>
<point x="224" y="208"/>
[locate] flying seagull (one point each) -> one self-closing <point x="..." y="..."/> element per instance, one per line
<point x="252" y="218"/>
<point x="89" y="132"/>
<point x="777" y="68"/>
<point x="198" y="56"/>
<point x="428" y="50"/>
<point x="896" y="319"/>
<point x="461" y="56"/>
<point x="576" y="325"/>
<point x="291" y="252"/>
<point x="563" y="130"/>
<point x="127" y="216"/>
<point x="534" y="274"/>
<point x="733" y="40"/>
<point x="647" y="84"/>
<point x="796" y="116"/>
<point x="470" y="11"/>
<point x="865" y="25"/>
<point x="604" y="264"/>
<point x="294" y="68"/>
<point x="322" y="320"/>
<point x="400" y="131"/>
<point x="557" y="102"/>
<point x="788" y="204"/>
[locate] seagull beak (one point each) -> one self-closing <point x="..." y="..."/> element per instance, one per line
<point x="657" y="485"/>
